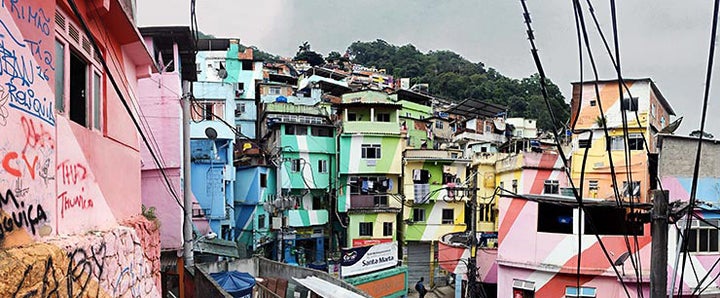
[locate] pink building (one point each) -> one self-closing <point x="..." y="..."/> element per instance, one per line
<point x="538" y="249"/>
<point x="70" y="175"/>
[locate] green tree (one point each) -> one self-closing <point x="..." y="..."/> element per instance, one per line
<point x="304" y="53"/>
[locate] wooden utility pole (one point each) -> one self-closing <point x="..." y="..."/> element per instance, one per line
<point x="658" y="259"/>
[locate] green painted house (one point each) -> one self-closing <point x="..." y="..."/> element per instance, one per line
<point x="369" y="168"/>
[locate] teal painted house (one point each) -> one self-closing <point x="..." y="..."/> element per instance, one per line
<point x="301" y="139"/>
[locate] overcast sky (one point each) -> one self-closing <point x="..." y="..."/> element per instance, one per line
<point x="665" y="40"/>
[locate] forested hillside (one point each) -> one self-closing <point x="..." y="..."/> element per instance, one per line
<point x="454" y="77"/>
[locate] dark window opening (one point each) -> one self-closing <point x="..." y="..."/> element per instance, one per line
<point x="380" y="201"/>
<point x="247" y="65"/>
<point x="382" y="117"/>
<point x="295" y="167"/>
<point x="448" y="216"/>
<point x="226" y="232"/>
<point x="551" y="187"/>
<point x="366" y="229"/>
<point x="352" y="117"/>
<point x="208" y="111"/>
<point x="263" y="180"/>
<point x="630" y="104"/>
<point x="609" y="221"/>
<point x="261" y="221"/>
<point x="555" y="218"/>
<point x="586" y="143"/>
<point x="593" y="103"/>
<point x="78" y="90"/>
<point x="320" y="131"/>
<point x="387" y="229"/>
<point x="418" y="214"/>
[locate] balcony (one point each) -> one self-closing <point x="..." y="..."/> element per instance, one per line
<point x="429" y="154"/>
<point x="287" y="108"/>
<point x="473" y="136"/>
<point x="307" y="218"/>
<point x="374" y="203"/>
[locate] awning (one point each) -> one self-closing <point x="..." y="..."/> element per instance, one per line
<point x="325" y="289"/>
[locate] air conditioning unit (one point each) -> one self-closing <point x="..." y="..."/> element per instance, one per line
<point x="277" y="223"/>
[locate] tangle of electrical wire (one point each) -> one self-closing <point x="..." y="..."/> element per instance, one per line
<point x="543" y="90"/>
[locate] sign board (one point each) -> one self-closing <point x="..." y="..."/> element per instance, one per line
<point x="405" y="83"/>
<point x="385" y="286"/>
<point x="368" y="242"/>
<point x="365" y="259"/>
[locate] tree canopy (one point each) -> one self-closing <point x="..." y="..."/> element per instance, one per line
<point x="305" y="53"/>
<point x="451" y="76"/>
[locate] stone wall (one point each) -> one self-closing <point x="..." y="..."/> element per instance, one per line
<point x="111" y="263"/>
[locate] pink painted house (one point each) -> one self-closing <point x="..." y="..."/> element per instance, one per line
<point x="160" y="105"/>
<point x="70" y="175"/>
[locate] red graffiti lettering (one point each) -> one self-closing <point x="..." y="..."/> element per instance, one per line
<point x="6" y="164"/>
<point x="72" y="173"/>
<point x="36" y="136"/>
<point x="69" y="202"/>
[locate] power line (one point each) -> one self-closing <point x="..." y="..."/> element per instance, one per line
<point x="696" y="169"/>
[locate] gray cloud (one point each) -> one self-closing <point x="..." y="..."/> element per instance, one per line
<point x="662" y="39"/>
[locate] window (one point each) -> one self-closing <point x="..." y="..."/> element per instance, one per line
<point x="523" y="288"/>
<point x="261" y="221"/>
<point x="295" y="166"/>
<point x="629" y="104"/>
<point x="555" y="218"/>
<point x="371" y="151"/>
<point x="380" y="201"/>
<point x="274" y="90"/>
<point x="239" y="109"/>
<point x="363" y="185"/>
<point x="593" y="185"/>
<point x="634" y="190"/>
<point x="78" y="89"/>
<point x="247" y="65"/>
<point x="97" y="101"/>
<point x="298" y="130"/>
<point x="635" y="142"/>
<point x="703" y="237"/>
<point x="263" y="180"/>
<point x="352" y="117"/>
<point x="387" y="229"/>
<point x="584" y="143"/>
<point x="418" y="214"/>
<point x="366" y="229"/>
<point x="593" y="103"/>
<point x="408" y="115"/>
<point x="208" y="111"/>
<point x="448" y="216"/>
<point x="652" y="110"/>
<point x="609" y="221"/>
<point x="551" y="187"/>
<point x="322" y="166"/>
<point x="438" y="124"/>
<point x="382" y="117"/>
<point x="321" y="131"/>
<point x="583" y="292"/>
<point x="59" y="76"/>
<point x="662" y="121"/>
<point x="515" y="185"/>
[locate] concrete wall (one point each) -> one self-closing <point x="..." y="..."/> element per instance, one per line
<point x="206" y="286"/>
<point x="268" y="268"/>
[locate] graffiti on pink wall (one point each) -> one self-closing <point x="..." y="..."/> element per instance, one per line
<point x="27" y="120"/>
<point x="70" y="177"/>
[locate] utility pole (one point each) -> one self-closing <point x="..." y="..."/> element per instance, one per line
<point x="659" y="246"/>
<point x="187" y="188"/>
<point x="471" y="267"/>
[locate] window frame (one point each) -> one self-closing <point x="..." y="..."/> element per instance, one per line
<point x="365" y="229"/>
<point x="419" y="215"/>
<point x="263" y="180"/>
<point x="376" y="148"/>
<point x="387" y="228"/>
<point x="274" y="90"/>
<point x="261" y="221"/>
<point x="296" y="165"/>
<point x="382" y="117"/>
<point x="322" y="166"/>
<point x="448" y="221"/>
<point x="553" y="184"/>
<point x="574" y="292"/>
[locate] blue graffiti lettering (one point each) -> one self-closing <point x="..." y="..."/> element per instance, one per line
<point x="34" y="17"/>
<point x="16" y="67"/>
<point x="25" y="100"/>
<point x="43" y="55"/>
<point x="10" y="33"/>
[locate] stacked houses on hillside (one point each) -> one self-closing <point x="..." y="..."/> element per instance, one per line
<point x="324" y="167"/>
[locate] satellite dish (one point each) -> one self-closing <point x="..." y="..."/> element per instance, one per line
<point x="222" y="73"/>
<point x="211" y="133"/>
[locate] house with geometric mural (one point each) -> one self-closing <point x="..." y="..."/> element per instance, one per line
<point x="304" y="138"/>
<point x="647" y="113"/>
<point x="72" y="216"/>
<point x="370" y="164"/>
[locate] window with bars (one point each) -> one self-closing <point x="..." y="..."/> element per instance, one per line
<point x="366" y="229"/>
<point x="703" y="236"/>
<point x="387" y="229"/>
